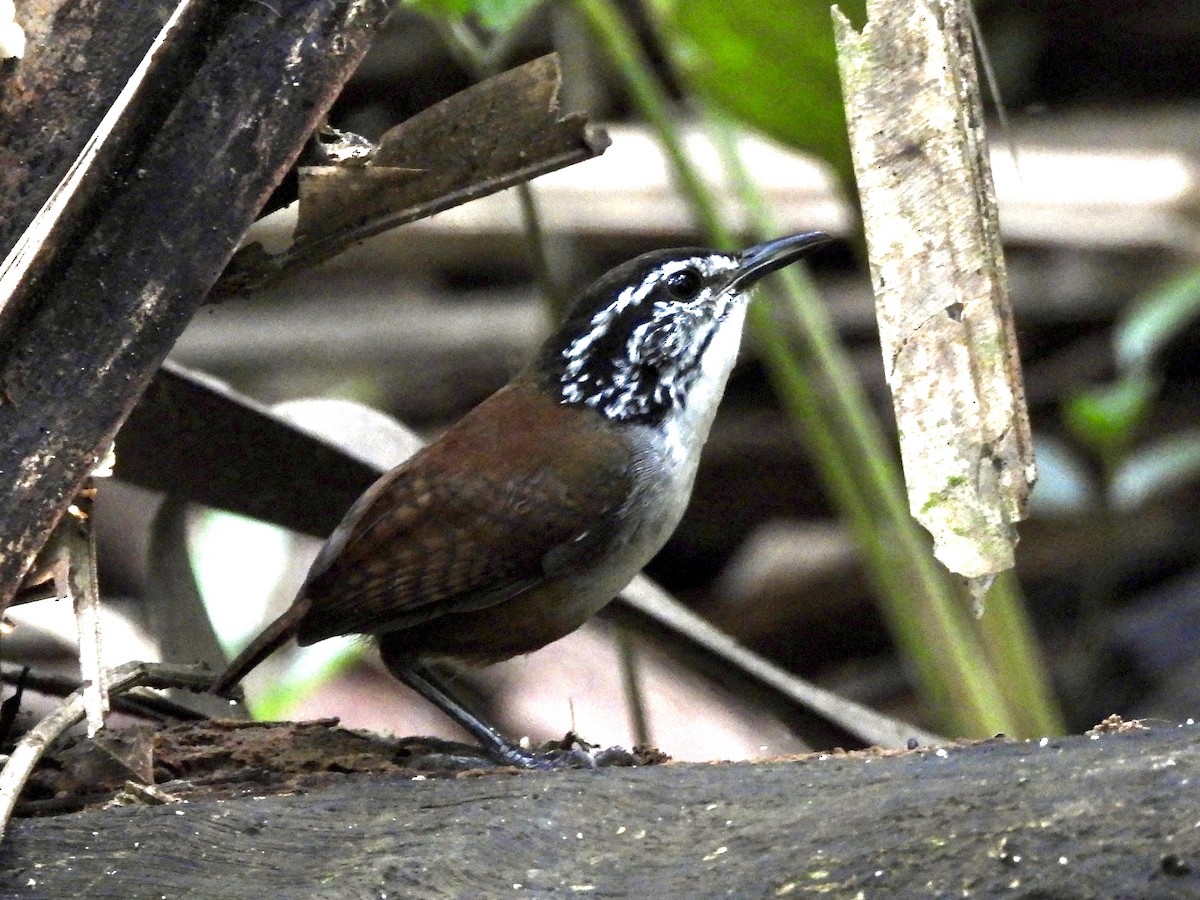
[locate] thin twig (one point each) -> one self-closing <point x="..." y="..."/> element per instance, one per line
<point x="872" y="727"/>
<point x="37" y="740"/>
<point x="80" y="544"/>
<point x="135" y="702"/>
<point x="631" y="681"/>
<point x="483" y="61"/>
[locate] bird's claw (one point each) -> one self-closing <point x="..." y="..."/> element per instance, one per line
<point x="570" y="753"/>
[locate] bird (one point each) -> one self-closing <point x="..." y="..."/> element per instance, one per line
<point x="542" y="503"/>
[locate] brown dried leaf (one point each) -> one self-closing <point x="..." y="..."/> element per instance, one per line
<point x="493" y="135"/>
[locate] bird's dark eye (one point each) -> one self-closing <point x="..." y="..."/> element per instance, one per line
<point x="684" y="284"/>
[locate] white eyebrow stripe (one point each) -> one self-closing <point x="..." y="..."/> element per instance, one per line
<point x="707" y="265"/>
<point x="577" y="349"/>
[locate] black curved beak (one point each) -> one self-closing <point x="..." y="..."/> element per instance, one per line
<point x="765" y="258"/>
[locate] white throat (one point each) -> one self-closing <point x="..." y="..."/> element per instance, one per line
<point x="685" y="430"/>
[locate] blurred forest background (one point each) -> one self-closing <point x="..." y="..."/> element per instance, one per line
<point x="1099" y="188"/>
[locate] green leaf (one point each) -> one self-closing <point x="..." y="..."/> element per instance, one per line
<point x="446" y="9"/>
<point x="1155" y="318"/>
<point x="1105" y="418"/>
<point x="1171" y="462"/>
<point x="497" y="15"/>
<point x="771" y="65"/>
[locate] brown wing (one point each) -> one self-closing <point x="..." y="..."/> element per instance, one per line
<point x="468" y="521"/>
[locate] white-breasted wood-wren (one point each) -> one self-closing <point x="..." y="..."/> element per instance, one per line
<point x="542" y="503"/>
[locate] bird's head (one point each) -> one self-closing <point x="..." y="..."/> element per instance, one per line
<point x="633" y="345"/>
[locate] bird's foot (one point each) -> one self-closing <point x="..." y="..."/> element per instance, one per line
<point x="571" y="752"/>
<point x="549" y="760"/>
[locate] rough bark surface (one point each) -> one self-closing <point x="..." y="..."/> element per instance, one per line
<point x="45" y="126"/>
<point x="915" y="118"/>
<point x="1110" y="815"/>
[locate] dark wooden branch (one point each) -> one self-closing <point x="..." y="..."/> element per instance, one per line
<point x="229" y="108"/>
<point x="46" y="126"/>
<point x="1112" y="816"/>
<point x="197" y="439"/>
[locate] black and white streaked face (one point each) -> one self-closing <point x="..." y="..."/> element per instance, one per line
<point x="633" y="344"/>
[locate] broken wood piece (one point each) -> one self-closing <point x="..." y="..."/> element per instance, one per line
<point x="493" y="135"/>
<point x="55" y="137"/>
<point x="66" y="567"/>
<point x="929" y="210"/>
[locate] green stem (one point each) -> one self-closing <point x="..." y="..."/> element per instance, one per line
<point x="620" y="43"/>
<point x="539" y="251"/>
<point x="1014" y="650"/>
<point x="925" y="612"/>
<point x="484" y="61"/>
